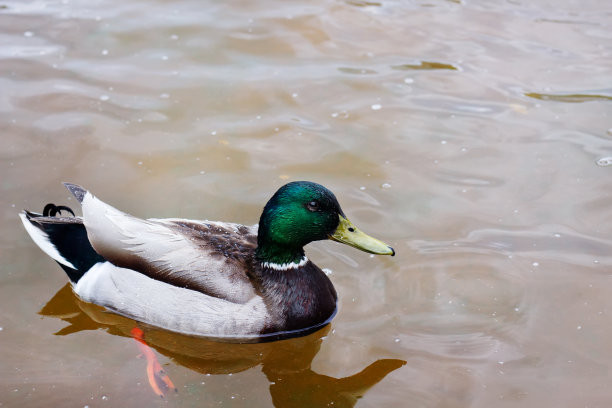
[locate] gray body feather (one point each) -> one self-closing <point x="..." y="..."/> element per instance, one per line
<point x="180" y="252"/>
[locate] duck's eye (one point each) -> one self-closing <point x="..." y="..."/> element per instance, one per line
<point x="313" y="205"/>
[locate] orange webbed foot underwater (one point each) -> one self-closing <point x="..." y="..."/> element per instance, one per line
<point x="158" y="379"/>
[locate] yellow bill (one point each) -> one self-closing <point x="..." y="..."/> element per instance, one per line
<point x="349" y="234"/>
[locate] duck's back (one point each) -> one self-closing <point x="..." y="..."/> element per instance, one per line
<point x="213" y="258"/>
<point x="209" y="257"/>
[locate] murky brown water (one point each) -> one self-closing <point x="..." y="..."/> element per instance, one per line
<point x="474" y="137"/>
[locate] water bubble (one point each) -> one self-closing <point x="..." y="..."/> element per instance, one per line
<point x="104" y="98"/>
<point x="557" y="235"/>
<point x="164" y="96"/>
<point x="604" y="161"/>
<point x="104" y="52"/>
<point x="362" y="188"/>
<point x="578" y="327"/>
<point x="376" y="106"/>
<point x="408" y="80"/>
<point x="386" y="185"/>
<point x="535" y="264"/>
<point x="397" y="340"/>
<point x="164" y="58"/>
<point x="202" y="172"/>
<point x="294" y="95"/>
<point x="28" y="34"/>
<point x="174" y="37"/>
<point x="104" y="398"/>
<point x="443" y="142"/>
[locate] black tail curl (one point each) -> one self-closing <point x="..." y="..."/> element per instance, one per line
<point x="51" y="210"/>
<point x="69" y="236"/>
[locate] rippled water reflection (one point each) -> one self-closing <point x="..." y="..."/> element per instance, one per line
<point x="473" y="137"/>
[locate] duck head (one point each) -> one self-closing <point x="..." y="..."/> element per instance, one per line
<point x="301" y="212"/>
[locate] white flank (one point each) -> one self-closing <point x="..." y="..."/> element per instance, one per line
<point x="42" y="240"/>
<point x="285" y="266"/>
<point x="132" y="294"/>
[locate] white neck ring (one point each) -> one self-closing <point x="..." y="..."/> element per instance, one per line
<point x="285" y="266"/>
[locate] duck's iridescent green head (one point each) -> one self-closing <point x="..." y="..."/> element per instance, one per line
<point x="301" y="212"/>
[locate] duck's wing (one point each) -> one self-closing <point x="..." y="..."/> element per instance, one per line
<point x="209" y="257"/>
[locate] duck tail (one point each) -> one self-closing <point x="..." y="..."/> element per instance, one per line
<point x="62" y="238"/>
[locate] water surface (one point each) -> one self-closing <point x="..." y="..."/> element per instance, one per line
<point x="474" y="137"/>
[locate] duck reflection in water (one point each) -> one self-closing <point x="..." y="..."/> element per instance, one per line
<point x="285" y="363"/>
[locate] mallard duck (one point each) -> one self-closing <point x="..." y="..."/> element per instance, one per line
<point x="205" y="278"/>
